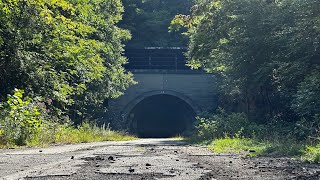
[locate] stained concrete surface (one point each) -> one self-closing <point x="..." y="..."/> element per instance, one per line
<point x="146" y="159"/>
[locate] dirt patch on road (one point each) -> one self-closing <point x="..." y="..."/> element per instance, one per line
<point x="235" y="166"/>
<point x="164" y="159"/>
<point x="91" y="170"/>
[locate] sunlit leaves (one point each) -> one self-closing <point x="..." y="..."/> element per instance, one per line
<point x="58" y="48"/>
<point x="21" y="119"/>
<point x="266" y="51"/>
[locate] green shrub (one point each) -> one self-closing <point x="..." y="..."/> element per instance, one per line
<point x="312" y="154"/>
<point x="235" y="133"/>
<point x="306" y="101"/>
<point x="22" y="122"/>
<point x="307" y="128"/>
<point x="218" y="125"/>
<point x="20" y="119"/>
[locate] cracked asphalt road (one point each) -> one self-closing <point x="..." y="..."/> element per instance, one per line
<point x="146" y="159"/>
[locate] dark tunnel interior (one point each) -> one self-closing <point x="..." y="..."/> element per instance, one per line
<point x="161" y="116"/>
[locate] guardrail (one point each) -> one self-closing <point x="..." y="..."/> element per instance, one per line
<point x="171" y="59"/>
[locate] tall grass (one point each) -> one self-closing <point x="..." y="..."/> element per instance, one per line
<point x="256" y="147"/>
<point x="25" y="121"/>
<point x="67" y="134"/>
<point x="233" y="133"/>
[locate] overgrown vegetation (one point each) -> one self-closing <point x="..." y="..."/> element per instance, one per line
<point x="266" y="57"/>
<point x="67" y="53"/>
<point x="83" y="133"/>
<point x="65" y="57"/>
<point x="24" y="121"/>
<point x="233" y="133"/>
<point x="61" y="61"/>
<point x="67" y="134"/>
<point x="148" y="21"/>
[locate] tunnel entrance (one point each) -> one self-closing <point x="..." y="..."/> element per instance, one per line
<point x="161" y="116"/>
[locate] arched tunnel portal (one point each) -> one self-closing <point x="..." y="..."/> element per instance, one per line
<point x="160" y="116"/>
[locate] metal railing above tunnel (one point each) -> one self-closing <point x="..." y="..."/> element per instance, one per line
<point x="156" y="58"/>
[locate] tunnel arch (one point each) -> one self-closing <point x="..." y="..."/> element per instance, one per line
<point x="184" y="112"/>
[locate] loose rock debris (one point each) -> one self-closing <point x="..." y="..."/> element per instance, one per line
<point x="111" y="158"/>
<point x="161" y="160"/>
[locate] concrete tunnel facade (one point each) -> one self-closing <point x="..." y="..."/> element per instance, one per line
<point x="163" y="103"/>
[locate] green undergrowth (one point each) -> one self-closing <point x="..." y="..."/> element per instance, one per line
<point x="312" y="154"/>
<point x="67" y="134"/>
<point x="234" y="133"/>
<point x="179" y="138"/>
<point x="237" y="145"/>
<point x="252" y="147"/>
<point x="24" y="121"/>
<point x="258" y="147"/>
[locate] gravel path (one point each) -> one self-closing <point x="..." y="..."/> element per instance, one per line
<point x="145" y="159"/>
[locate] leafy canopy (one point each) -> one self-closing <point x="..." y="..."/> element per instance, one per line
<point x="265" y="54"/>
<point x="63" y="51"/>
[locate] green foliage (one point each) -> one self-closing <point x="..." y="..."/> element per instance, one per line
<point x="265" y="55"/>
<point x="211" y="126"/>
<point x="255" y="147"/>
<point x="87" y="132"/>
<point x="307" y="98"/>
<point x="63" y="51"/>
<point x="20" y="118"/>
<point x="148" y="21"/>
<point x="312" y="154"/>
<point x="238" y="145"/>
<point x="233" y="132"/>
<point x="50" y="133"/>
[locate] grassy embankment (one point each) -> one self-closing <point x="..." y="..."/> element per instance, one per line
<point x="26" y="122"/>
<point x="255" y="147"/>
<point x="67" y="134"/>
<point x="233" y="133"/>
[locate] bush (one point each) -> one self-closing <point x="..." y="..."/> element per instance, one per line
<point x="306" y="101"/>
<point x="312" y="154"/>
<point x="218" y="125"/>
<point x="23" y="122"/>
<point x="235" y="133"/>
<point x="20" y="119"/>
<point x="308" y="128"/>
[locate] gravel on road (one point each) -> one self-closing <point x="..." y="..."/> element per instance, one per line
<point x="146" y="159"/>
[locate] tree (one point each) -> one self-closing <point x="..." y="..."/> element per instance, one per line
<point x="148" y="21"/>
<point x="63" y="51"/>
<point x="263" y="53"/>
